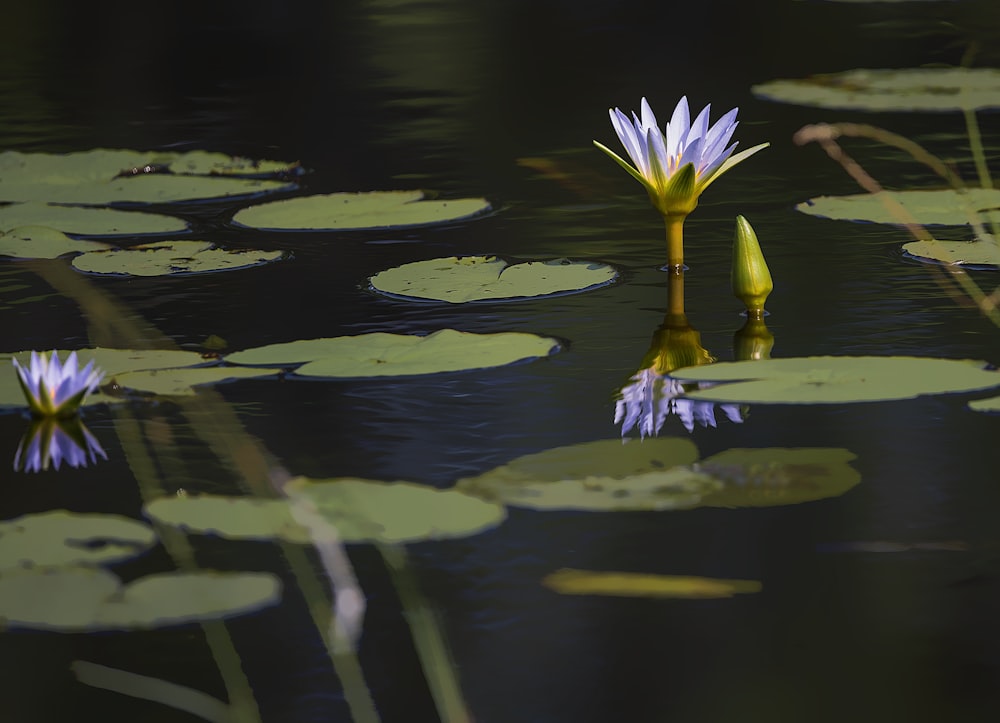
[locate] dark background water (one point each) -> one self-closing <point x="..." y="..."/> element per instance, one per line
<point x="452" y="97"/>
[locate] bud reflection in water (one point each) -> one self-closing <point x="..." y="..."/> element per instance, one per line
<point x="51" y="442"/>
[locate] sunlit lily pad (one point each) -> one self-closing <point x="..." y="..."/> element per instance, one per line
<point x="87" y="221"/>
<point x="958" y="253"/>
<point x="79" y="599"/>
<point x="347" y="211"/>
<point x="775" y="476"/>
<point x="632" y="584"/>
<point x="103" y="176"/>
<point x="906" y="89"/>
<point x="357" y="510"/>
<point x="991" y="404"/>
<point x="183" y="381"/>
<point x="928" y="208"/>
<point x="58" y="537"/>
<point x="380" y="354"/>
<point x="458" y="279"/>
<point x="39" y="242"/>
<point x="833" y="379"/>
<point x="169" y="258"/>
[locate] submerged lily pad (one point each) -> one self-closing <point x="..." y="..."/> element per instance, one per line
<point x="357" y="510"/>
<point x="836" y="379"/>
<point x="103" y="176"/>
<point x="906" y="89"/>
<point x="632" y="584"/>
<point x="168" y="258"/>
<point x="59" y="537"/>
<point x="351" y="211"/>
<point x="40" y="242"/>
<point x="458" y="279"/>
<point x="183" y="381"/>
<point x="945" y="207"/>
<point x="380" y="354"/>
<point x="87" y="221"/>
<point x="79" y="599"/>
<point x="958" y="253"/>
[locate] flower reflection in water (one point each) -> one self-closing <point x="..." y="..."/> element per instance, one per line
<point x="51" y="442"/>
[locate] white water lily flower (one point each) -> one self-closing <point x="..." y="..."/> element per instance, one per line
<point x="55" y="389"/>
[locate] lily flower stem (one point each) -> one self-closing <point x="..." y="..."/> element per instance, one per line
<point x="675" y="241"/>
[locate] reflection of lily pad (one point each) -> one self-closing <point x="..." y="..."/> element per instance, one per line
<point x="104" y="176"/>
<point x="601" y="475"/>
<point x="959" y="253"/>
<point x="832" y="380"/>
<point x="774" y="476"/>
<point x="632" y="584"/>
<point x="59" y="537"/>
<point x="39" y="242"/>
<point x="928" y="208"/>
<point x="457" y="279"/>
<point x="380" y="354"/>
<point x="991" y="404"/>
<point x="183" y="381"/>
<point x="357" y="510"/>
<point x="78" y="599"/>
<point x="344" y="211"/>
<point x="86" y="221"/>
<point x="907" y="89"/>
<point x="168" y="258"/>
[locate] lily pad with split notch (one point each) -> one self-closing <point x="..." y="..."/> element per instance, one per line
<point x="82" y="221"/>
<point x="459" y="279"/>
<point x="381" y="354"/>
<point x="60" y="537"/>
<point x="940" y="207"/>
<point x="75" y="599"/>
<point x="40" y="242"/>
<point x="836" y="379"/>
<point x="905" y="89"/>
<point x="170" y="258"/>
<point x="355" y="211"/>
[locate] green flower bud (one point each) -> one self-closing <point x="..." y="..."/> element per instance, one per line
<point x="750" y="275"/>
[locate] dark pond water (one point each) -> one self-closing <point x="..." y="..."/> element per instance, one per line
<point x="453" y="97"/>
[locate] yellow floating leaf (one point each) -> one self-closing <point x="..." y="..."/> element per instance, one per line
<point x="632" y="584"/>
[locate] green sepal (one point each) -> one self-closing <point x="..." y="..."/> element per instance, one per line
<point x="624" y="164"/>
<point x="679" y="196"/>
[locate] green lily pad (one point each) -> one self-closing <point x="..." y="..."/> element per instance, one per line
<point x="907" y="89"/>
<point x="380" y="354"/>
<point x="991" y="404"/>
<point x="775" y="476"/>
<point x="103" y="176"/>
<point x="352" y="211"/>
<point x="183" y="381"/>
<point x="169" y="258"/>
<point x="633" y="584"/>
<point x="958" y="253"/>
<point x="58" y="537"/>
<point x="458" y="279"/>
<point x="357" y="510"/>
<point x="929" y="208"/>
<point x="836" y="380"/>
<point x="89" y="599"/>
<point x="87" y="221"/>
<point x="40" y="242"/>
<point x="599" y="476"/>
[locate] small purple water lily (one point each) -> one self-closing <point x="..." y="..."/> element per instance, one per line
<point x="677" y="164"/>
<point x="55" y="389"/>
<point x="50" y="442"/>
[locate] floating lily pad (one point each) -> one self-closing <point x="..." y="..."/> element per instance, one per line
<point x="907" y="89"/>
<point x="928" y="208"/>
<point x="87" y="221"/>
<point x="380" y="354"/>
<point x="78" y="599"/>
<point x="991" y="404"/>
<point x="957" y="253"/>
<point x="351" y="211"/>
<point x="458" y="279"/>
<point x="632" y="584"/>
<point x="39" y="242"/>
<point x="836" y="380"/>
<point x="103" y="176"/>
<point x="59" y="537"/>
<point x="169" y="258"/>
<point x="183" y="381"/>
<point x="358" y="511"/>
<point x="775" y="476"/>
